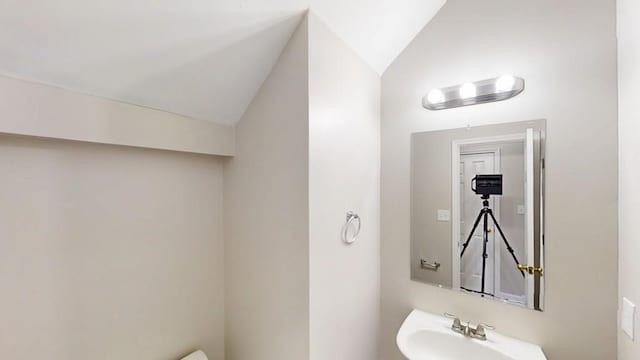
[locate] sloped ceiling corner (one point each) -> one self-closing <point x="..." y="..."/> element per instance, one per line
<point x="378" y="31"/>
<point x="199" y="58"/>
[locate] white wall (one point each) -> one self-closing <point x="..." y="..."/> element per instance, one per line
<point x="566" y="51"/>
<point x="266" y="217"/>
<point x="109" y="252"/>
<point x="307" y="152"/>
<point x="40" y="110"/>
<point x="629" y="130"/>
<point x="344" y="164"/>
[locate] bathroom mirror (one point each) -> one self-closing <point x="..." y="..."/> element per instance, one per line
<point x="477" y="211"/>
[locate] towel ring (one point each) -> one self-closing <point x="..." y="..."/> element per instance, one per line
<point x="352" y="218"/>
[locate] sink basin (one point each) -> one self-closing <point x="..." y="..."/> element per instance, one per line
<point x="425" y="336"/>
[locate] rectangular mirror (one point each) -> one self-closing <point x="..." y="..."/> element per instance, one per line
<point x="477" y="211"/>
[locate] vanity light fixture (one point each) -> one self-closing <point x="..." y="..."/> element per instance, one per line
<point x="505" y="83"/>
<point x="479" y="92"/>
<point x="435" y="96"/>
<point x="468" y="91"/>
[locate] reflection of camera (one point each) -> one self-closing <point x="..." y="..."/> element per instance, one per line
<point x="486" y="185"/>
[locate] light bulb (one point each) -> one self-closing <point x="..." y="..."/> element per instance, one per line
<point x="505" y="83"/>
<point x="435" y="96"/>
<point x="467" y="90"/>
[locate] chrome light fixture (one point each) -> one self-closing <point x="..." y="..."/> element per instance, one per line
<point x="479" y="92"/>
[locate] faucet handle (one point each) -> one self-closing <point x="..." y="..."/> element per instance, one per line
<point x="479" y="332"/>
<point x="486" y="326"/>
<point x="457" y="324"/>
<point x="456" y="319"/>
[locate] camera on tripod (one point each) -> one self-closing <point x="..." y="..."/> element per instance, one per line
<point x="487" y="185"/>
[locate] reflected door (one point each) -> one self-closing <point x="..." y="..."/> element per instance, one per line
<point x="472" y="164"/>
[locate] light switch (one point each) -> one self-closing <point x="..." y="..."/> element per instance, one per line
<point x="520" y="210"/>
<point x="444" y="215"/>
<point x="627" y="318"/>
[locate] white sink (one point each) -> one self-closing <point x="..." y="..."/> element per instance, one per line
<point x="425" y="336"/>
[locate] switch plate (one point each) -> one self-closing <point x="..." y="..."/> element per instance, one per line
<point x="627" y="318"/>
<point x="444" y="215"/>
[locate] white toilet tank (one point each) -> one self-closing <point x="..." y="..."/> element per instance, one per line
<point x="198" y="355"/>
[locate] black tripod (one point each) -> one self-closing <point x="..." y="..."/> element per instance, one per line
<point x="485" y="212"/>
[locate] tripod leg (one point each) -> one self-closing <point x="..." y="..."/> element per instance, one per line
<point x="473" y="230"/>
<point x="504" y="238"/>
<point x="485" y="240"/>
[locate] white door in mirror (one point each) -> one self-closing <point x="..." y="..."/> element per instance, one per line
<point x="425" y="336"/>
<point x="627" y="318"/>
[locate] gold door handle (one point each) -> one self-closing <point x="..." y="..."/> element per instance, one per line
<point x="531" y="269"/>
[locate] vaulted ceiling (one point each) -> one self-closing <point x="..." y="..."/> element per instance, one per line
<point x="201" y="58"/>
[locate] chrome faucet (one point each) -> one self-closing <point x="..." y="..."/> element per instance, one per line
<point x="468" y="330"/>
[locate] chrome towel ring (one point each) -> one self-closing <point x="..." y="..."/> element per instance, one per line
<point x="353" y="220"/>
